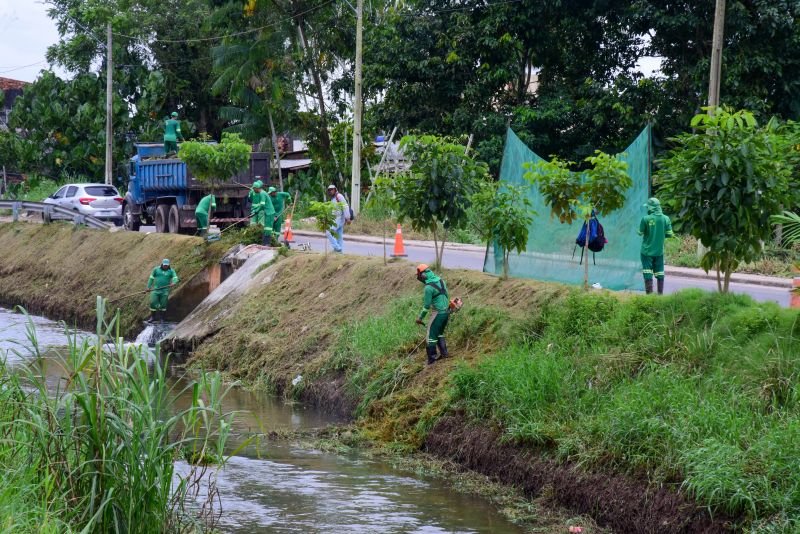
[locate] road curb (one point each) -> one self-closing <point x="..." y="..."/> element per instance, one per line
<point x="681" y="272"/>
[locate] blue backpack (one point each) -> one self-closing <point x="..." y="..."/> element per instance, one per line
<point x="597" y="238"/>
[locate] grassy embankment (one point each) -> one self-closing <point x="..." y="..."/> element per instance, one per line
<point x="694" y="393"/>
<point x="57" y="270"/>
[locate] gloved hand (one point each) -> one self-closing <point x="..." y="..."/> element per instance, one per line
<point x="420" y="322"/>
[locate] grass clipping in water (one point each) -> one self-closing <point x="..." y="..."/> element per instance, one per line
<point x="96" y="452"/>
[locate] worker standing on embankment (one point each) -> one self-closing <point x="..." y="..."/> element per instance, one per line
<point x="654" y="228"/>
<point x="161" y="280"/>
<point x="207" y="203"/>
<point x="436" y="297"/>
<point x="278" y="203"/>
<point x="261" y="211"/>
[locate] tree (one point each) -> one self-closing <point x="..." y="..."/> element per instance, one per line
<point x="598" y="190"/>
<point x="436" y="191"/>
<point x="502" y="213"/>
<point x="724" y="182"/>
<point x="325" y="215"/>
<point x="210" y="161"/>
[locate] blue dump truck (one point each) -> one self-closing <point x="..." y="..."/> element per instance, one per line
<point x="163" y="191"/>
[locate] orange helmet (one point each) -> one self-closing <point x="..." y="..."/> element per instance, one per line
<point x="421" y="268"/>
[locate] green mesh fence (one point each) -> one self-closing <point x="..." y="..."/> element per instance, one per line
<point x="551" y="244"/>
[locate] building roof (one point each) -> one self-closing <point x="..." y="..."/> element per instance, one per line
<point x="7" y="84"/>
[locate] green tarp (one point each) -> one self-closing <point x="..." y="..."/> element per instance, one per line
<point x="551" y="244"/>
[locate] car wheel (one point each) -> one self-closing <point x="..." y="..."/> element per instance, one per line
<point x="162" y="219"/>
<point x="130" y="220"/>
<point x="174" y="219"/>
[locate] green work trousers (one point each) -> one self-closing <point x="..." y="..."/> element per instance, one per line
<point x="158" y="300"/>
<point x="170" y="146"/>
<point x="277" y="226"/>
<point x="653" y="265"/>
<point x="202" y="220"/>
<point x="437" y="325"/>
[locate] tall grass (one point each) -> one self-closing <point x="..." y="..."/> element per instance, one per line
<point x="699" y="391"/>
<point x="95" y="452"/>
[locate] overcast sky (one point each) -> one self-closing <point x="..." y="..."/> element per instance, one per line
<point x="25" y="33"/>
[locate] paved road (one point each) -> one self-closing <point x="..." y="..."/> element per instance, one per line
<point x="468" y="259"/>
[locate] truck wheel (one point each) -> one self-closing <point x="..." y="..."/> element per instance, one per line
<point x="174" y="220"/>
<point x="162" y="219"/>
<point x="130" y="220"/>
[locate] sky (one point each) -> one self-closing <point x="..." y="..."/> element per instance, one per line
<point x="25" y="33"/>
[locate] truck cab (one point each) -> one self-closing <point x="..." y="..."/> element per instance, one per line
<point x="163" y="192"/>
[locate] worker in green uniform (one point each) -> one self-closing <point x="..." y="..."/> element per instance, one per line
<point x="654" y="228"/>
<point x="201" y="212"/>
<point x="172" y="130"/>
<point x="436" y="297"/>
<point x="279" y="199"/>
<point x="261" y="211"/>
<point x="161" y="280"/>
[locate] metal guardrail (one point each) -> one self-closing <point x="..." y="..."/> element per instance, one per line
<point x="47" y="211"/>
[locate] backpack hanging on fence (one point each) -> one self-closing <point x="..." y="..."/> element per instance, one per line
<point x="597" y="238"/>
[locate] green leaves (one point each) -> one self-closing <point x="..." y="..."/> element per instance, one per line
<point x="209" y="161"/>
<point x="726" y="181"/>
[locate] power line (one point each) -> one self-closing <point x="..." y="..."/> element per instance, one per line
<point x="12" y="69"/>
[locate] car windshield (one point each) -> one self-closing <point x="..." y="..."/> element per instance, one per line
<point x="101" y="191"/>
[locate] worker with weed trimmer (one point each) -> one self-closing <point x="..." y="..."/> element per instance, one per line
<point x="207" y="203"/>
<point x="261" y="211"/>
<point x="161" y="280"/>
<point x="279" y="199"/>
<point x="436" y="297"/>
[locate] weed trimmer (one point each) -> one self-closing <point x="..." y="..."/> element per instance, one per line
<point x="455" y="307"/>
<point x="138" y="293"/>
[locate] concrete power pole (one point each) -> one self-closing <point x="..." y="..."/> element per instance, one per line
<point x="715" y="76"/>
<point x="355" y="189"/>
<point x="109" y="108"/>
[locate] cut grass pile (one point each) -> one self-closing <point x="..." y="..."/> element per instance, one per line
<point x="695" y="391"/>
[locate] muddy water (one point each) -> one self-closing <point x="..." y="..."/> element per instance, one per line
<point x="283" y="487"/>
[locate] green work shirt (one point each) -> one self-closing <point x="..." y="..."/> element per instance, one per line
<point x="278" y="201"/>
<point x="653" y="228"/>
<point x="433" y="297"/>
<point x="172" y="129"/>
<point x="160" y="278"/>
<point x="261" y="202"/>
<point x="205" y="203"/>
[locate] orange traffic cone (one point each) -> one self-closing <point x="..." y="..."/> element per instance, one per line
<point x="399" y="249"/>
<point x="288" y="237"/>
<point x="795" y="298"/>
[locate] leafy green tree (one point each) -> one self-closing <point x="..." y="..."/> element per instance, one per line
<point x="436" y="191"/>
<point x="502" y="213"/>
<point x="724" y="182"/>
<point x="325" y="215"/>
<point x="210" y="161"/>
<point x="599" y="189"/>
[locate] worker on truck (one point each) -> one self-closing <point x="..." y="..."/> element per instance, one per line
<point x="207" y="203"/>
<point x="279" y="199"/>
<point x="172" y="130"/>
<point x="161" y="280"/>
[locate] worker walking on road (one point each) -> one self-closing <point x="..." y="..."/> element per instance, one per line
<point x="654" y="228"/>
<point x="279" y="199"/>
<point x="336" y="233"/>
<point x="207" y="203"/>
<point x="172" y="131"/>
<point x="161" y="280"/>
<point x="436" y="297"/>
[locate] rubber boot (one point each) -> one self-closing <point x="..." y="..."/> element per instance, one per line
<point x="161" y="315"/>
<point x="431" y="349"/>
<point x="660" y="286"/>
<point x="648" y="286"/>
<point x="442" y="347"/>
<point x="152" y="318"/>
<point x="265" y="240"/>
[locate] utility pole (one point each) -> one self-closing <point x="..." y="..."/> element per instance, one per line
<point x="355" y="184"/>
<point x="109" y="107"/>
<point x="715" y="76"/>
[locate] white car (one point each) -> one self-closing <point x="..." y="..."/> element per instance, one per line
<point x="98" y="200"/>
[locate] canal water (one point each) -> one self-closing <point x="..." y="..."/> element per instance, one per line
<point x="284" y="487"/>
